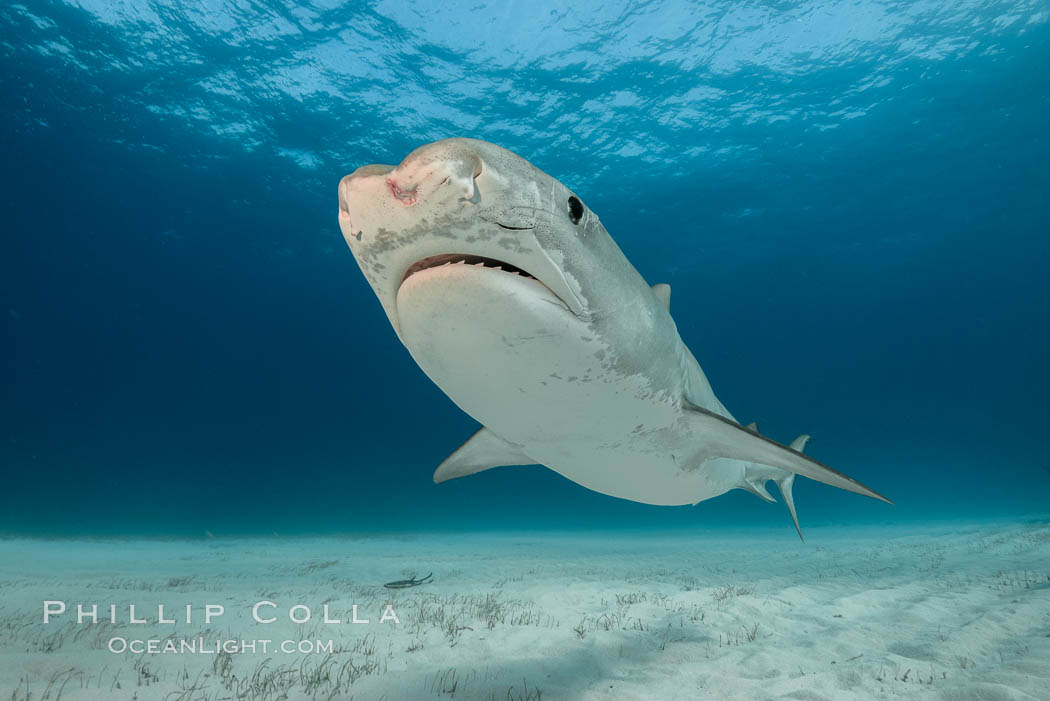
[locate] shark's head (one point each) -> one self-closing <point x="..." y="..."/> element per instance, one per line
<point x="470" y="209"/>
<point x="501" y="283"/>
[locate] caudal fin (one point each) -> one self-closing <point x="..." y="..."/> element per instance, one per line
<point x="788" y="481"/>
<point x="719" y="437"/>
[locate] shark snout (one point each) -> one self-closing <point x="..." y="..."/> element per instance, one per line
<point x="344" y="189"/>
<point x="434" y="180"/>
<point x="344" y="199"/>
<point x="441" y="171"/>
<point x="358" y="189"/>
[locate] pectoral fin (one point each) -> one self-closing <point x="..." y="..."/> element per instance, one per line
<point x="719" y="437"/>
<point x="482" y="451"/>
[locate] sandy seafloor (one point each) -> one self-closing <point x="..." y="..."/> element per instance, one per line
<point x="945" y="611"/>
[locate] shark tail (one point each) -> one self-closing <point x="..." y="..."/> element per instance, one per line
<point x="755" y="482"/>
<point x="788" y="481"/>
<point x="720" y="437"/>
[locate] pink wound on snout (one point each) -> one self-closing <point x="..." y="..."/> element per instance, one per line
<point x="407" y="197"/>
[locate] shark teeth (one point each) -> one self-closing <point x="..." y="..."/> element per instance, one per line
<point x="465" y="259"/>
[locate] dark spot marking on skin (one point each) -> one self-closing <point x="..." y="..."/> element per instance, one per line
<point x="358" y="235"/>
<point x="512" y="243"/>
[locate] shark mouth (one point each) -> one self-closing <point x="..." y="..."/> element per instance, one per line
<point x="464" y="259"/>
<point x="481" y="262"/>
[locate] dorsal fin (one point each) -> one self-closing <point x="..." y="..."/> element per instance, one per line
<point x="753" y="427"/>
<point x="482" y="451"/>
<point x="663" y="293"/>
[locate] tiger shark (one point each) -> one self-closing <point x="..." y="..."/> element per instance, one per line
<point x="512" y="297"/>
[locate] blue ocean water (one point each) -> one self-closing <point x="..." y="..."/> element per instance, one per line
<point x="849" y="200"/>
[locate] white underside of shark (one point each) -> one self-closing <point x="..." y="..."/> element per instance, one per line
<point x="511" y="296"/>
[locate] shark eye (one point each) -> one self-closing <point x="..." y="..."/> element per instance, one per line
<point x="575" y="209"/>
